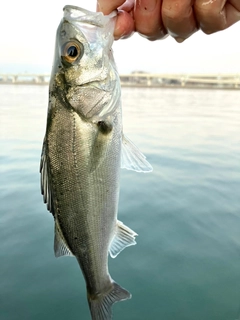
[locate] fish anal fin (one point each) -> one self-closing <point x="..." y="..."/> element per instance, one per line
<point x="132" y="158"/>
<point x="101" y="304"/>
<point x="60" y="246"/>
<point x="124" y="237"/>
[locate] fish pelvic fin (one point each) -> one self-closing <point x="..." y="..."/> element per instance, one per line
<point x="101" y="304"/>
<point x="132" y="158"/>
<point x="124" y="237"/>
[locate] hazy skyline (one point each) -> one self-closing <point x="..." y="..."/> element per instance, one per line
<point x="28" y="35"/>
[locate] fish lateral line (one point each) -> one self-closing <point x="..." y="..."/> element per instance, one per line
<point x="81" y="155"/>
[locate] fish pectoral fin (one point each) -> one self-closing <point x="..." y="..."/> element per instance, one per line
<point x="124" y="237"/>
<point x="132" y="158"/>
<point x="101" y="304"/>
<point x="60" y="246"/>
<point x="99" y="147"/>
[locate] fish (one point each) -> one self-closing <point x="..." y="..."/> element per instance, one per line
<point x="83" y="151"/>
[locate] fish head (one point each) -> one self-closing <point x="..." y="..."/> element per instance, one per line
<point x="84" y="68"/>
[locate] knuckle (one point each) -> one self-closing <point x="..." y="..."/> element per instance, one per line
<point x="211" y="18"/>
<point x="175" y="11"/>
<point x="170" y="13"/>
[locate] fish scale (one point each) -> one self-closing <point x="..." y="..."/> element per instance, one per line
<point x="83" y="150"/>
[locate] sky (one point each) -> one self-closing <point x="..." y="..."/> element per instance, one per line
<point x="28" y="35"/>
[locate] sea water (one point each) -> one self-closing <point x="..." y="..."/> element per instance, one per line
<point x="186" y="264"/>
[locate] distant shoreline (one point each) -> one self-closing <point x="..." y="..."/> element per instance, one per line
<point x="144" y="80"/>
<point x="136" y="85"/>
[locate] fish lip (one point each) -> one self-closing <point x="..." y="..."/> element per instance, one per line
<point x="78" y="14"/>
<point x="97" y="84"/>
<point x="69" y="7"/>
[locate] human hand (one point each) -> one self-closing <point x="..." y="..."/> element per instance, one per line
<point x="125" y="22"/>
<point x="155" y="19"/>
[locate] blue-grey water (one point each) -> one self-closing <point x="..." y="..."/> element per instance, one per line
<point x="186" y="264"/>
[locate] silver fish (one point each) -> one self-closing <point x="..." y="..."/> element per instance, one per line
<point x="83" y="151"/>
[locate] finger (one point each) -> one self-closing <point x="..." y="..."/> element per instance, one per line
<point x="178" y="18"/>
<point x="106" y="6"/>
<point x="148" y="21"/>
<point x="124" y="25"/>
<point x="128" y="5"/>
<point x="216" y="15"/>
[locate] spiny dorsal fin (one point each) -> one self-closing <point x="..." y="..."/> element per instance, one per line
<point x="124" y="237"/>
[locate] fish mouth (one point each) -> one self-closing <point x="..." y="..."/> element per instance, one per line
<point x="99" y="84"/>
<point x="78" y="14"/>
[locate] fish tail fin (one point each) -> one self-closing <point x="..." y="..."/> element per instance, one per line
<point x="101" y="304"/>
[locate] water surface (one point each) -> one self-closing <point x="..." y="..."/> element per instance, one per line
<point x="186" y="264"/>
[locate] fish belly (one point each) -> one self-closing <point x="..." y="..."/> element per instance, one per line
<point x="84" y="168"/>
<point x="85" y="192"/>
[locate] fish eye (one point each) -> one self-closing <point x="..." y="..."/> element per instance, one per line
<point x="71" y="51"/>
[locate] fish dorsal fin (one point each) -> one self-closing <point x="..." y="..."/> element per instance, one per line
<point x="124" y="237"/>
<point x="60" y="246"/>
<point x="46" y="181"/>
<point x="132" y="158"/>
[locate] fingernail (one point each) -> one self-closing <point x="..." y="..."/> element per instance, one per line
<point x="179" y="40"/>
<point x="160" y="34"/>
<point x="126" y="36"/>
<point x="118" y="36"/>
